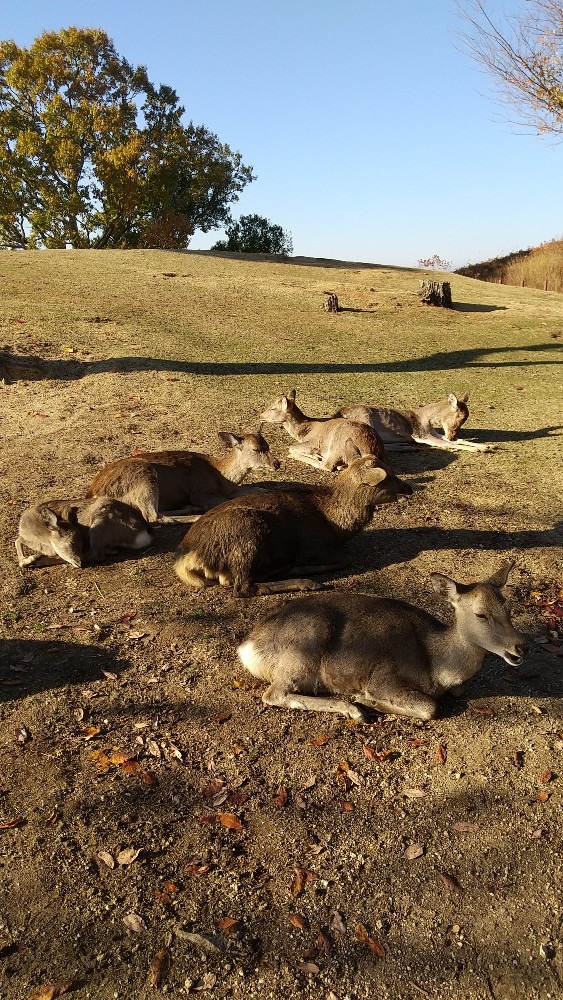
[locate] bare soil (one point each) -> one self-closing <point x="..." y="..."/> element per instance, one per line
<point x="151" y="809"/>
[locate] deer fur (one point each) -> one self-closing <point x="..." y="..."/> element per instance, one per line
<point x="79" y="531"/>
<point x="400" y="427"/>
<point x="183" y="482"/>
<point x="337" y="652"/>
<point x="321" y="442"/>
<point x="266" y="536"/>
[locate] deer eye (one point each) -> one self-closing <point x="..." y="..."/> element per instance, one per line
<point x="481" y="616"/>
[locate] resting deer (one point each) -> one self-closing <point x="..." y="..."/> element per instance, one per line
<point x="266" y="536"/>
<point x="321" y="442"/>
<point x="181" y="482"/>
<point x="400" y="427"/>
<point x="385" y="654"/>
<point x="79" y="531"/>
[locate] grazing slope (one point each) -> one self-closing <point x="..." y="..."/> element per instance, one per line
<point x="149" y="351"/>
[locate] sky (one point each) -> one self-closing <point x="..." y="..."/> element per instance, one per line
<point x="373" y="134"/>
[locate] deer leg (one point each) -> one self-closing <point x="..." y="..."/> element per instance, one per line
<point x="435" y="441"/>
<point x="286" y="586"/>
<point x="406" y="701"/>
<point x="24" y="560"/>
<point x="284" y="699"/>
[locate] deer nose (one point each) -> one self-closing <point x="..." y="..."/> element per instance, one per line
<point x="521" y="648"/>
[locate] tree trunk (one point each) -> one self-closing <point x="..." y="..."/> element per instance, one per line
<point x="330" y="303"/>
<point x="436" y="293"/>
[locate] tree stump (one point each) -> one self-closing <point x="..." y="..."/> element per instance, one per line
<point x="436" y="293"/>
<point x="330" y="303"/>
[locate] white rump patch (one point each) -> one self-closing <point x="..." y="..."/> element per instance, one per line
<point x="250" y="658"/>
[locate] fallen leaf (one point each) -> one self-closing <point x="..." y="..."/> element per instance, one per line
<point x="483" y="710"/>
<point x="414" y="793"/>
<point x="78" y="714"/>
<point x="128" y="856"/>
<point x="464" y="827"/>
<point x="110" y="675"/>
<point x="298" y="921"/>
<point x="228" y="925"/>
<point x="53" y="991"/>
<point x="154" y="749"/>
<point x="545" y="777"/>
<point x="22" y="735"/>
<point x="542" y="796"/>
<point x="300" y="878"/>
<point x="149" y="778"/>
<point x="231" y="821"/>
<point x="52" y="818"/>
<point x="101" y="760"/>
<point x="222" y="717"/>
<point x="319" y="741"/>
<point x="309" y="968"/>
<point x="118" y="757"/>
<point x="360" y="933"/>
<point x="107" y="859"/>
<point x="89" y="732"/>
<point x="347" y="807"/>
<point x="213" y="788"/>
<point x="376" y="947"/>
<point x="131" y="766"/>
<point x="134" y="922"/>
<point x="517" y="758"/>
<point x="281" y="797"/>
<point x="324" y="942"/>
<point x="336" y="922"/>
<point x="414" y="851"/>
<point x="158" y="969"/>
<point x="418" y="743"/>
<point x="441" y="753"/>
<point x="10" y="824"/>
<point x="309" y="783"/>
<point x="450" y="882"/>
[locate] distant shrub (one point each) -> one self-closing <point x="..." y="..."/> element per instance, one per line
<point x="539" y="267"/>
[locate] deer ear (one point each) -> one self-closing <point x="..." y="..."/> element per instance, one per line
<point x="499" y="578"/>
<point x="351" y="452"/>
<point x="464" y="398"/>
<point x="259" y="431"/>
<point x="445" y="586"/>
<point x="49" y="517"/>
<point x="231" y="440"/>
<point x="452" y="400"/>
<point x="292" y="394"/>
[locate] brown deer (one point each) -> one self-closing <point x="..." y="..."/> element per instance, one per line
<point x="336" y="652"/>
<point x="321" y="442"/>
<point x="267" y="536"/>
<point x="79" y="531"/>
<point x="183" y="482"/>
<point x="398" y="428"/>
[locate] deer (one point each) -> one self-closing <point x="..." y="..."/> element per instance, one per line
<point x="340" y="652"/>
<point x="184" y="482"/>
<point x="262" y="537"/>
<point x="398" y="428"/>
<point x="321" y="441"/>
<point x="79" y="531"/>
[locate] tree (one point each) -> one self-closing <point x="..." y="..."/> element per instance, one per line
<point x="255" y="234"/>
<point x="435" y="263"/>
<point x="93" y="154"/>
<point x="524" y="54"/>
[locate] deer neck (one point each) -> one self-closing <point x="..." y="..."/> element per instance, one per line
<point x="297" y="425"/>
<point x="232" y="466"/>
<point x="348" y="507"/>
<point x="454" y="659"/>
<point x="432" y="414"/>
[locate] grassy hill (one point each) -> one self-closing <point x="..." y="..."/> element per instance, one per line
<point x="537" y="267"/>
<point x="147" y="350"/>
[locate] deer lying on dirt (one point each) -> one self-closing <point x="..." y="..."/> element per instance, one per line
<point x="321" y="442"/>
<point x="79" y="531"/>
<point x="400" y="427"/>
<point x="181" y="482"/>
<point x="385" y="654"/>
<point x="264" y="537"/>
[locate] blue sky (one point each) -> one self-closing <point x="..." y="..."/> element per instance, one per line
<point x="371" y="132"/>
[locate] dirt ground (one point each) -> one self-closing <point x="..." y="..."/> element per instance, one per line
<point x="160" y="829"/>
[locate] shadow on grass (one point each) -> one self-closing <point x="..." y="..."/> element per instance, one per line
<point x="28" y="666"/>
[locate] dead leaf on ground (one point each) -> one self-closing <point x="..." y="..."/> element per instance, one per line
<point x="213" y="788"/>
<point x="281" y="796"/>
<point x="360" y="933"/>
<point x="149" y="778"/>
<point x="376" y="947"/>
<point x="336" y="922"/>
<point x="414" y="851"/>
<point x="53" y="991"/>
<point x="22" y="735"/>
<point x="221" y="717"/>
<point x="324" y="942"/>
<point x="107" y="859"/>
<point x="228" y="925"/>
<point x="517" y="758"/>
<point x="301" y="876"/>
<point x="89" y="732"/>
<point x="120" y="757"/>
<point x="414" y="793"/>
<point x="159" y="967"/>
<point x="463" y="826"/>
<point x="131" y="767"/>
<point x="309" y="968"/>
<point x="10" y="824"/>
<point x="545" y="777"/>
<point x="347" y="807"/>
<point x="542" y="796"/>
<point x="450" y="882"/>
<point x="134" y="922"/>
<point x="483" y="710"/>
<point x="231" y="821"/>
<point x="319" y="741"/>
<point x="298" y="921"/>
<point x="128" y="856"/>
<point x="441" y="753"/>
